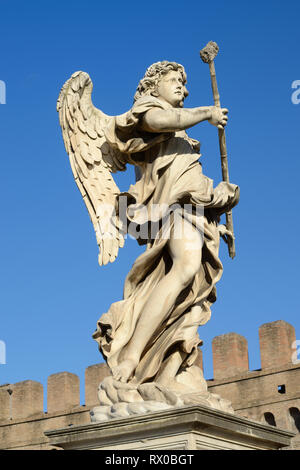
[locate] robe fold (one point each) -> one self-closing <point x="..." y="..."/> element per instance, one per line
<point x="171" y="175"/>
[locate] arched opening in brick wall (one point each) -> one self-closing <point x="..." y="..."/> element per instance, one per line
<point x="295" y="418"/>
<point x="270" y="419"/>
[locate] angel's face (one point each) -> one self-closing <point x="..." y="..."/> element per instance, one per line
<point x="171" y="89"/>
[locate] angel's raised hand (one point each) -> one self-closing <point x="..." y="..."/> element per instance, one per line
<point x="219" y="117"/>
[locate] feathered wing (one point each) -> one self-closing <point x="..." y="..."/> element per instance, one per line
<point x="92" y="160"/>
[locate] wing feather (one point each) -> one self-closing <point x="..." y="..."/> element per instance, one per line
<point x="92" y="160"/>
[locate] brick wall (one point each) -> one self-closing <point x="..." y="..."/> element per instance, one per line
<point x="270" y="395"/>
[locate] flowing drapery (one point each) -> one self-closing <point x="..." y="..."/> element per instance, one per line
<point x="170" y="175"/>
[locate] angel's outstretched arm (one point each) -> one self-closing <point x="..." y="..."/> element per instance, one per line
<point x="177" y="119"/>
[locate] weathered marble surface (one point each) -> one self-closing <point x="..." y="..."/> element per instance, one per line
<point x="193" y="427"/>
<point x="120" y="400"/>
<point x="150" y="338"/>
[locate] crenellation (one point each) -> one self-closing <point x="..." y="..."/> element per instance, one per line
<point x="230" y="355"/>
<point x="276" y="343"/>
<point x="27" y="399"/>
<point x="272" y="391"/>
<point x="63" y="392"/>
<point x="93" y="376"/>
<point x="21" y="400"/>
<point x="5" y="402"/>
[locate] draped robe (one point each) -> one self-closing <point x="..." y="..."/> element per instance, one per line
<point x="170" y="174"/>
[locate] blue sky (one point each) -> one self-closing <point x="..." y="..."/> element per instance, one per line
<point x="52" y="289"/>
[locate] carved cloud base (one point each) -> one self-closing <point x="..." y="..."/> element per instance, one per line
<point x="121" y="400"/>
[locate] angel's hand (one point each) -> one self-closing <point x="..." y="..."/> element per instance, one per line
<point x="219" y="117"/>
<point x="227" y="235"/>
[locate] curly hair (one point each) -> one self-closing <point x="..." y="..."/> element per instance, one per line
<point x="154" y="73"/>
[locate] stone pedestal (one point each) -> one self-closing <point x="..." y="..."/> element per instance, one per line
<point x="187" y="428"/>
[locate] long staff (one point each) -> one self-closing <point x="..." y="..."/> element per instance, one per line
<point x="208" y="54"/>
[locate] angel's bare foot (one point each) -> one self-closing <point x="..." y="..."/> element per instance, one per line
<point x="123" y="371"/>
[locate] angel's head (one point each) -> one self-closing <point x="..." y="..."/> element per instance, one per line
<point x="165" y="80"/>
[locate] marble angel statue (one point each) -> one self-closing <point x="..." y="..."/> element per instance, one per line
<point x="150" y="338"/>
